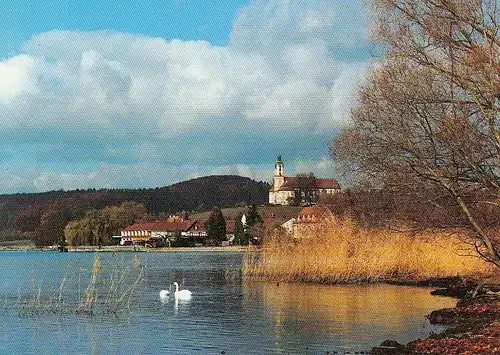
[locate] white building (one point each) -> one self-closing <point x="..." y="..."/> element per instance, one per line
<point x="283" y="189"/>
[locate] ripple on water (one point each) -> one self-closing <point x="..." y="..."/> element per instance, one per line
<point x="225" y="314"/>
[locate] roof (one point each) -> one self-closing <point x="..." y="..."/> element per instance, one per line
<point x="291" y="183"/>
<point x="314" y="213"/>
<point x="271" y="222"/>
<point x="182" y="225"/>
<point x="277" y="215"/>
<point x="230" y="223"/>
<point x="327" y="184"/>
<point x="280" y="213"/>
<point x="198" y="226"/>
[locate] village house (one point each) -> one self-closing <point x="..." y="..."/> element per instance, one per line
<point x="172" y="230"/>
<point x="280" y="216"/>
<point x="157" y="233"/>
<point x="276" y="217"/>
<point x="198" y="233"/>
<point x="284" y="188"/>
<point x="313" y="221"/>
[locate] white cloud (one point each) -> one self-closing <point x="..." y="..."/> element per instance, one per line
<point x="15" y="77"/>
<point x="256" y="172"/>
<point x="321" y="168"/>
<point x="280" y="71"/>
<point x="278" y="66"/>
<point x="277" y="23"/>
<point x="48" y="180"/>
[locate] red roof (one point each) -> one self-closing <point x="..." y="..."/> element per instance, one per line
<point x="276" y="216"/>
<point x="198" y="226"/>
<point x="316" y="211"/>
<point x="327" y="184"/>
<point x="161" y="226"/>
<point x="314" y="214"/>
<point x="230" y="226"/>
<point x="278" y="213"/>
<point x="271" y="222"/>
<point x="291" y="183"/>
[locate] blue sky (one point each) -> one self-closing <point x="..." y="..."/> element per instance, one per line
<point x="186" y="19"/>
<point x="117" y="94"/>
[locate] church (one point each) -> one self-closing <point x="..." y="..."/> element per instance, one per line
<point x="283" y="190"/>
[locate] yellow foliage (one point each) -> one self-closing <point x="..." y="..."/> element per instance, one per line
<point x="348" y="254"/>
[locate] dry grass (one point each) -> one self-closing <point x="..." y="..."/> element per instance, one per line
<point x="105" y="292"/>
<point x="346" y="254"/>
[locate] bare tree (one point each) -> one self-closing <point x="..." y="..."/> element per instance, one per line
<point x="428" y="118"/>
<point x="305" y="190"/>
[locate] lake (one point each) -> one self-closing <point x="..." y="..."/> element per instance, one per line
<point x="41" y="292"/>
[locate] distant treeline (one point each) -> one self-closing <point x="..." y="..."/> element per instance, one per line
<point x="43" y="216"/>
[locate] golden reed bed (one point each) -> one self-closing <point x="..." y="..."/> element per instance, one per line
<point x="346" y="254"/>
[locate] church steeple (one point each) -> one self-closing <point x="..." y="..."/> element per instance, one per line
<point x="279" y="174"/>
<point x="279" y="167"/>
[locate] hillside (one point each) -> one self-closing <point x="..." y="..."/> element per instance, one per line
<point x="23" y="214"/>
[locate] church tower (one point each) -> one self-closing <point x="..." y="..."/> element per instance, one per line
<point x="279" y="173"/>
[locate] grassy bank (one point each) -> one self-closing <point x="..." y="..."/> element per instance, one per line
<point x="347" y="254"/>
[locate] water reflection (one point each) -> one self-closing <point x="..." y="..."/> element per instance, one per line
<point x="225" y="313"/>
<point x="177" y="303"/>
<point x="184" y="304"/>
<point x="346" y="315"/>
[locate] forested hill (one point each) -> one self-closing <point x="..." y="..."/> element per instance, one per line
<point x="24" y="213"/>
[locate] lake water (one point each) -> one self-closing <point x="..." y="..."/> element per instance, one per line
<point x="40" y="293"/>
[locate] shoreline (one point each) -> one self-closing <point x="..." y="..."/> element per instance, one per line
<point x="129" y="249"/>
<point x="474" y="323"/>
<point x="474" y="328"/>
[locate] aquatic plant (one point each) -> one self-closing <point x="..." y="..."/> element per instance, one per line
<point x="348" y="254"/>
<point x="90" y="298"/>
<point x="109" y="289"/>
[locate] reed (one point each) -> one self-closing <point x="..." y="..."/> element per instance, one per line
<point x="90" y="298"/>
<point x="347" y="254"/>
<point x="109" y="289"/>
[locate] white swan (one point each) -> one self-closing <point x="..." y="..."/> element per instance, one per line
<point x="164" y="294"/>
<point x="182" y="294"/>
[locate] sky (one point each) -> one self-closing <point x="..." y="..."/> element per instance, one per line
<point x="139" y="94"/>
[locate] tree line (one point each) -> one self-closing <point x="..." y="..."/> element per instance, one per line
<point x="42" y="217"/>
<point x="99" y="226"/>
